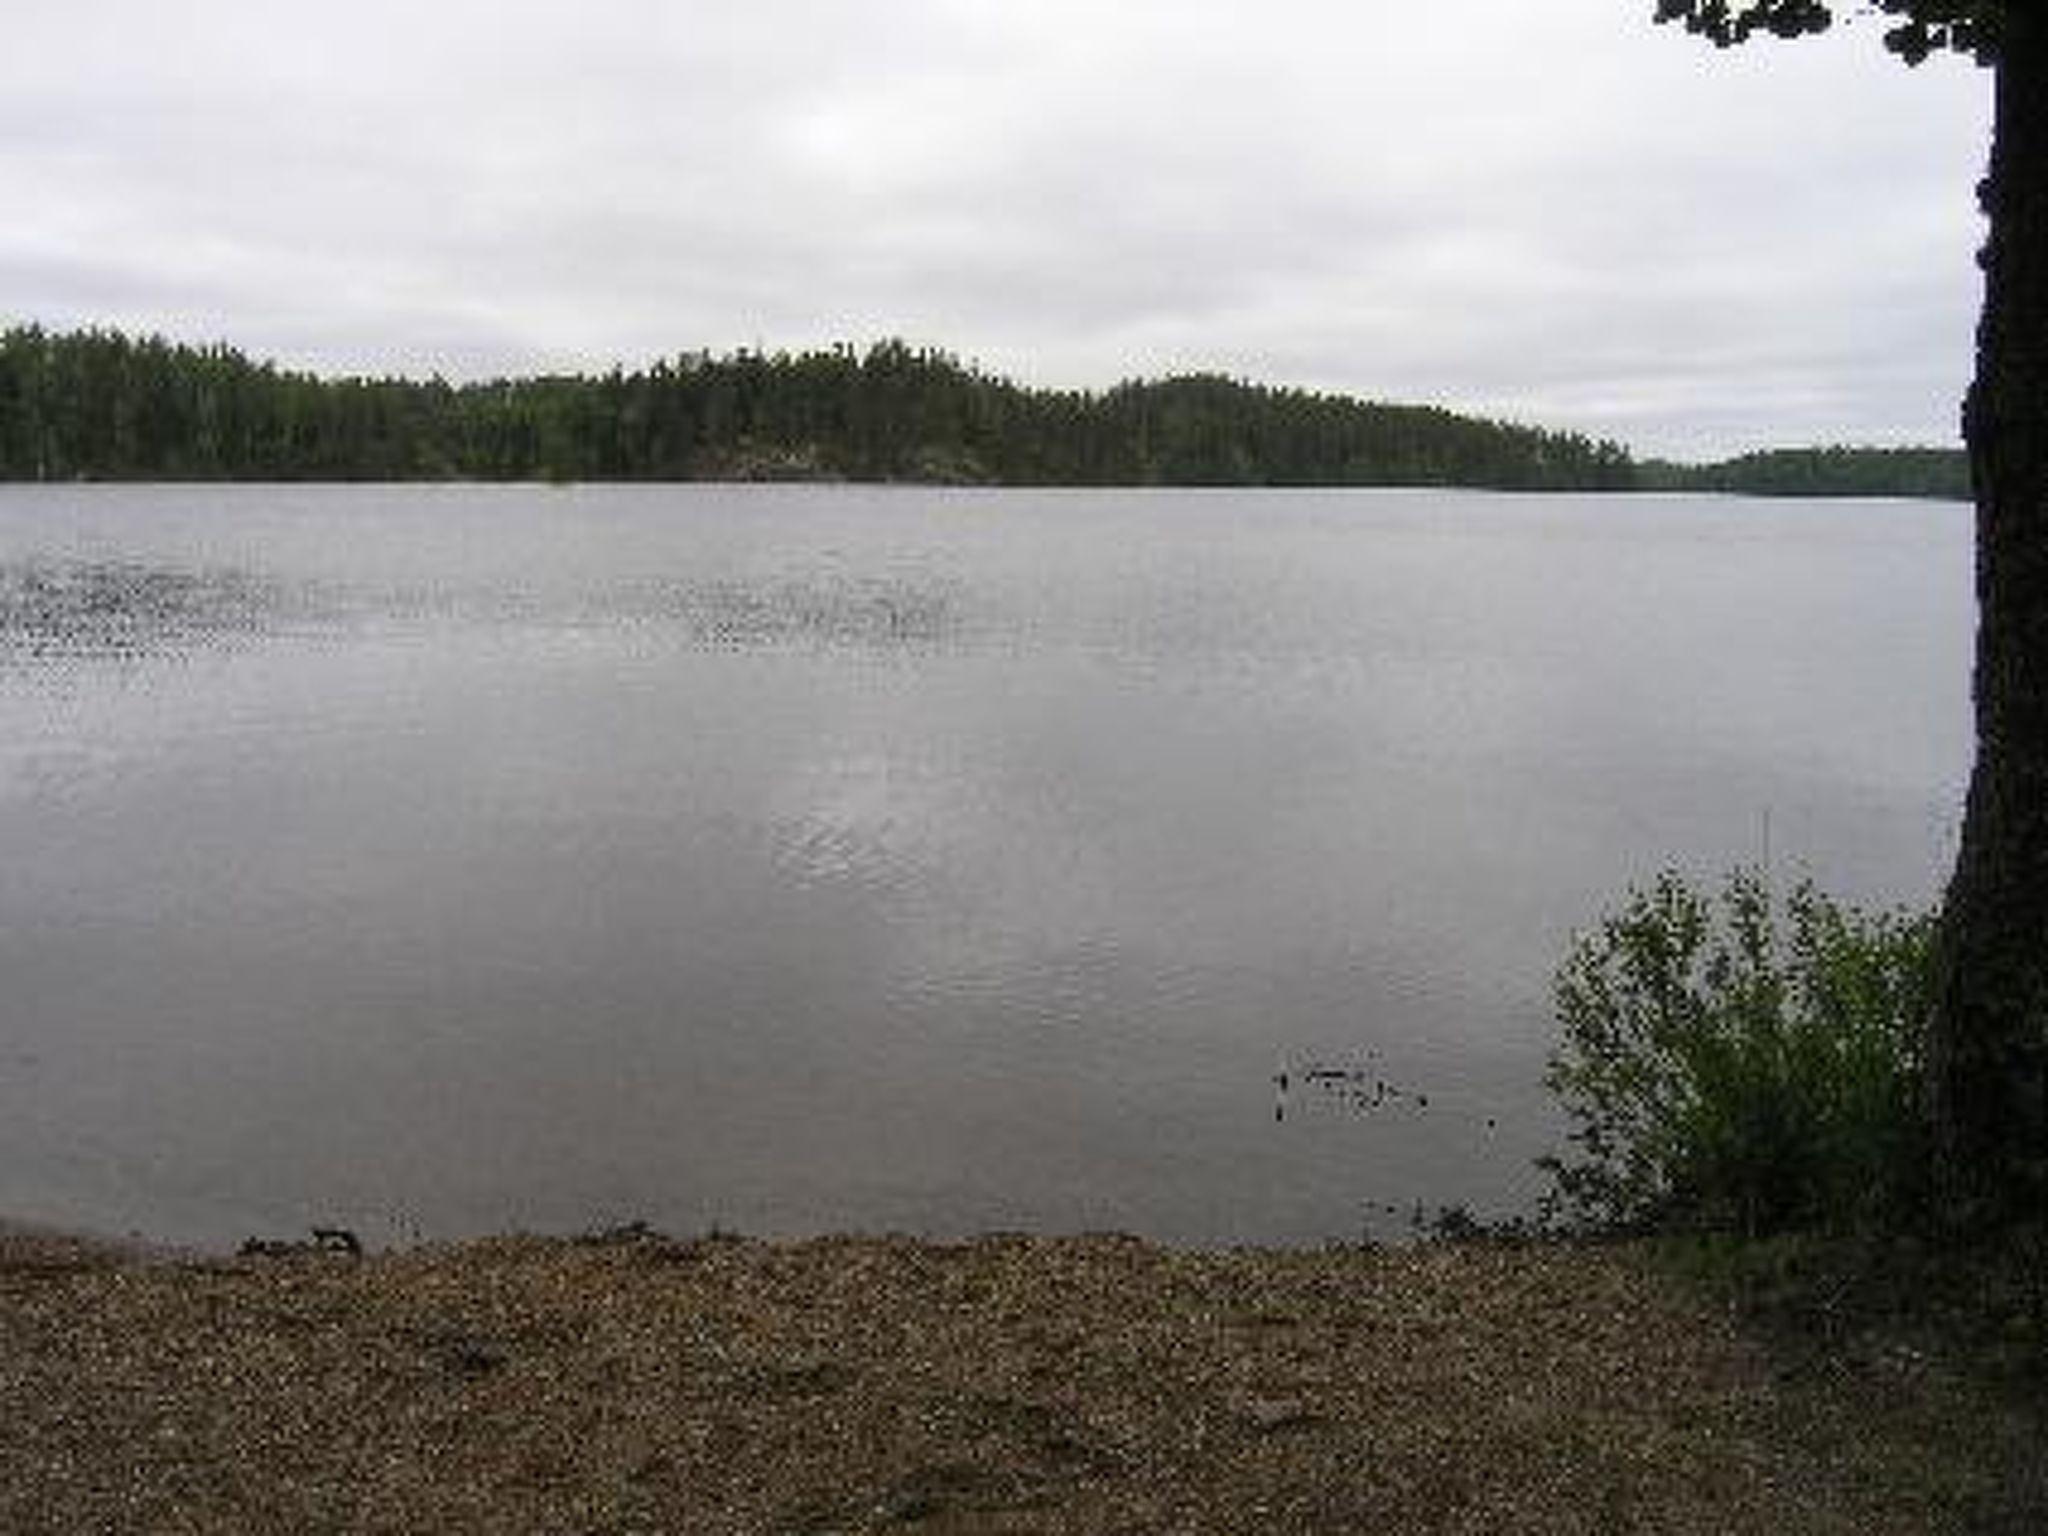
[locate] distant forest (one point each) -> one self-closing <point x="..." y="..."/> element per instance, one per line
<point x="1942" y="473"/>
<point x="99" y="405"/>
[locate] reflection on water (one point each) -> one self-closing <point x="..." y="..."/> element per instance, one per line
<point x="797" y="859"/>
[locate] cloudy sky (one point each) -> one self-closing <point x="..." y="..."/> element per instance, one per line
<point x="1551" y="211"/>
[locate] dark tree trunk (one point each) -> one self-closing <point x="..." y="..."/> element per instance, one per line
<point x="1988" y="1053"/>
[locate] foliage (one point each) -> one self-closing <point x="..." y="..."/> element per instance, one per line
<point x="1744" y="1064"/>
<point x="1936" y="473"/>
<point x="1924" y="27"/>
<point x="99" y="405"/>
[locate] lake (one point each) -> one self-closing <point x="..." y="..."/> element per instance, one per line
<point x="440" y="859"/>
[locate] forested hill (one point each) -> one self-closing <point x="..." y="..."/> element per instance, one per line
<point x="100" y="405"/>
<point x="1940" y="473"/>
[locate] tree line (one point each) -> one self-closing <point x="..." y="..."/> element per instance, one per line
<point x="97" y="404"/>
<point x="1936" y="473"/>
<point x="100" y="405"/>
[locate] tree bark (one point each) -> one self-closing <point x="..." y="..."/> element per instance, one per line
<point x="1988" y="1045"/>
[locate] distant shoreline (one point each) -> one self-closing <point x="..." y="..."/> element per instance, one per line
<point x="823" y="482"/>
<point x="100" y="405"/>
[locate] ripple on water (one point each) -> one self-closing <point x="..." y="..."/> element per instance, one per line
<point x="72" y="610"/>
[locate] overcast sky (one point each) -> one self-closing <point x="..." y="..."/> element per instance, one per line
<point x="1552" y="211"/>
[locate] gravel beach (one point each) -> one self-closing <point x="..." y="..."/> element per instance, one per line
<point x="628" y="1382"/>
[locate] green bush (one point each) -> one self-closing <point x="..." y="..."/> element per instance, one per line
<point x="1741" y="1063"/>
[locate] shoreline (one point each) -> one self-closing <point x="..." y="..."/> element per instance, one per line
<point x="27" y="1239"/>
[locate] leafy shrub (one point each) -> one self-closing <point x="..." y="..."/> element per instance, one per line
<point x="1741" y="1063"/>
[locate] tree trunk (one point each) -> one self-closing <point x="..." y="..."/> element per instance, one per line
<point x="1988" y="1050"/>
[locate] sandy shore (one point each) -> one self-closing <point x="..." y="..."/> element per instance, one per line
<point x="1009" y="1384"/>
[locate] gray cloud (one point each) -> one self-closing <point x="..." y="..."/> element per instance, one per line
<point x="1555" y="212"/>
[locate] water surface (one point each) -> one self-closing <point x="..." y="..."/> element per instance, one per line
<point x="442" y="859"/>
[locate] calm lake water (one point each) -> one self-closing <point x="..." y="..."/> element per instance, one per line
<point x="434" y="860"/>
